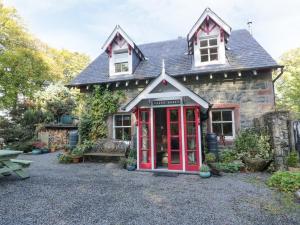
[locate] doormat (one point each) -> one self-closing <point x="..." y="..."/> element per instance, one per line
<point x="165" y="174"/>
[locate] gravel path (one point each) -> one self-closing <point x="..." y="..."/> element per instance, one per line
<point x="93" y="193"/>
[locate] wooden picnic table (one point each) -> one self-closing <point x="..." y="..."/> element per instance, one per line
<point x="9" y="164"/>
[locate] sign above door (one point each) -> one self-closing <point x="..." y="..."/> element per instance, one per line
<point x="166" y="102"/>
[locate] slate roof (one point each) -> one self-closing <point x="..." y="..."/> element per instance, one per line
<point x="243" y="53"/>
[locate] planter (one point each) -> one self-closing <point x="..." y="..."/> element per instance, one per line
<point x="256" y="164"/>
<point x="204" y="174"/>
<point x="36" y="151"/>
<point x="45" y="150"/>
<point x="76" y="159"/>
<point x="131" y="167"/>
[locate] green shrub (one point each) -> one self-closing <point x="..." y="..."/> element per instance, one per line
<point x="204" y="168"/>
<point x="130" y="161"/>
<point x="78" y="151"/>
<point x="227" y="156"/>
<point x="132" y="153"/>
<point x="292" y="159"/>
<point x="210" y="157"/>
<point x="64" y="158"/>
<point x="285" y="181"/>
<point x="231" y="167"/>
<point x="253" y="143"/>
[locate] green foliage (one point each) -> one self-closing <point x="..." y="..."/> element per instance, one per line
<point x="204" y="168"/>
<point x="99" y="105"/>
<point x="131" y="161"/>
<point x="78" y="151"/>
<point x="293" y="159"/>
<point x="231" y="167"/>
<point x="285" y="181"/>
<point x="227" y="156"/>
<point x="132" y="153"/>
<point x="210" y="157"/>
<point x="64" y="158"/>
<point x="288" y="85"/>
<point x="253" y="144"/>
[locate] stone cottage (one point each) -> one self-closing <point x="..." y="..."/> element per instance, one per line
<point x="214" y="80"/>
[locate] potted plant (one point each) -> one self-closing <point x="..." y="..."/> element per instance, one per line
<point x="76" y="154"/>
<point x="204" y="171"/>
<point x="131" y="164"/>
<point x="38" y="147"/>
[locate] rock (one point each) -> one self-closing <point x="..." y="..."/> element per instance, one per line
<point x="297" y="195"/>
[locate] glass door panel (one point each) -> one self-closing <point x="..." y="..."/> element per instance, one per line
<point x="191" y="117"/>
<point x="144" y="139"/>
<point x="174" y="139"/>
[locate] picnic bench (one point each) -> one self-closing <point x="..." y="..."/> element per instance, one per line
<point x="107" y="148"/>
<point x="9" y="164"/>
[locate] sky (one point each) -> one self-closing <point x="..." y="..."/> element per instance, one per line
<point x="84" y="25"/>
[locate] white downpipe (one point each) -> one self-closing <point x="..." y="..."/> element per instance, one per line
<point x="137" y="147"/>
<point x="200" y="146"/>
<point x="182" y="138"/>
<point x="152" y="138"/>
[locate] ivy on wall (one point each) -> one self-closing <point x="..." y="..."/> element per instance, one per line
<point x="100" y="103"/>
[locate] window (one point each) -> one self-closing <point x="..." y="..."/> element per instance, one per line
<point x="122" y="127"/>
<point x="121" y="61"/>
<point x="223" y="122"/>
<point x="209" y="49"/>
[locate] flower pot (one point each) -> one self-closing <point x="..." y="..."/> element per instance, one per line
<point x="256" y="164"/>
<point x="76" y="159"/>
<point x="131" y="167"/>
<point x="36" y="151"/>
<point x="204" y="174"/>
<point x="45" y="150"/>
<point x="66" y="119"/>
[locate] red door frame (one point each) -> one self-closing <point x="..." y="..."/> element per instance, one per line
<point x="143" y="165"/>
<point x="194" y="167"/>
<point x="174" y="166"/>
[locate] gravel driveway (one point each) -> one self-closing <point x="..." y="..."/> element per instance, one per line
<point x="93" y="193"/>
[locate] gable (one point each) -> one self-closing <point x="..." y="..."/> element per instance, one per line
<point x="164" y="87"/>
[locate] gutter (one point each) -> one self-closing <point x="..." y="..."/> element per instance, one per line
<point x="278" y="76"/>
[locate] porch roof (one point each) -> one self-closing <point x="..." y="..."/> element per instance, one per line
<point x="164" y="77"/>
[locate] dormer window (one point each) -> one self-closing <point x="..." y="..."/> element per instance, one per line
<point x="121" y="61"/>
<point x="209" y="49"/>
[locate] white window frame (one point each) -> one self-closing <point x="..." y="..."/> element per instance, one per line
<point x="232" y="121"/>
<point x="114" y="126"/>
<point x="114" y="63"/>
<point x="208" y="47"/>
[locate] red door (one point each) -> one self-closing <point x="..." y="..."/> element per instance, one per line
<point x="191" y="119"/>
<point x="144" y="139"/>
<point x="174" y="139"/>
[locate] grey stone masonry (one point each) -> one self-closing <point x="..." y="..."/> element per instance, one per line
<point x="276" y="124"/>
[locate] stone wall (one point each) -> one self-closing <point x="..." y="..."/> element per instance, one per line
<point x="277" y="125"/>
<point x="250" y="96"/>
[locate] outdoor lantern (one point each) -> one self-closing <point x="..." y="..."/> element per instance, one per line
<point x="165" y="82"/>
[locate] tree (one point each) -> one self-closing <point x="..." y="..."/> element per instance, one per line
<point x="288" y="86"/>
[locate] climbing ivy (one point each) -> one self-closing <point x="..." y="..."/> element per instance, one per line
<point x="100" y="103"/>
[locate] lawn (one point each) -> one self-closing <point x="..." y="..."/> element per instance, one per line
<point x="94" y="193"/>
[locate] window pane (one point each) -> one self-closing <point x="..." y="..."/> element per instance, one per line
<point x="144" y="116"/>
<point x="174" y="143"/>
<point x="191" y="143"/>
<point x="217" y="128"/>
<point x="174" y="129"/>
<point x="203" y="43"/>
<point x="191" y="158"/>
<point x="174" y="115"/>
<point x="204" y="51"/>
<point x="213" y="42"/>
<point x="118" y="120"/>
<point x="227" y="129"/>
<point x="213" y="57"/>
<point x="227" y="115"/>
<point x="119" y="133"/>
<point x="127" y="133"/>
<point x="175" y="157"/>
<point x="145" y="143"/>
<point x="145" y="156"/>
<point x="213" y="50"/>
<point x="125" y="67"/>
<point x="216" y="115"/>
<point x="118" y="67"/>
<point x="191" y="128"/>
<point x="126" y="120"/>
<point x="204" y="58"/>
<point x="190" y="115"/>
<point x="145" y="130"/>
